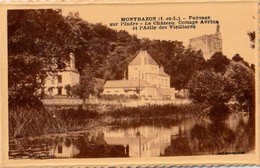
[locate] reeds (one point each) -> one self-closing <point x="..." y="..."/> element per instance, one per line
<point x="25" y="121"/>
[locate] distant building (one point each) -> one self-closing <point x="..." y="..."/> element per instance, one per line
<point x="146" y="79"/>
<point x="208" y="44"/>
<point x="56" y="82"/>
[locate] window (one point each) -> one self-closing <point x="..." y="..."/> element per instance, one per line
<point x="59" y="91"/>
<point x="59" y="79"/>
<point x="59" y="148"/>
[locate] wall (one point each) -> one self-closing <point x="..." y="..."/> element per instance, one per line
<point x="68" y="78"/>
<point x="164" y="81"/>
<point x="208" y="44"/>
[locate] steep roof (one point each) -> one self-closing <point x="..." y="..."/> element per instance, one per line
<point x="147" y="59"/>
<point x="126" y="84"/>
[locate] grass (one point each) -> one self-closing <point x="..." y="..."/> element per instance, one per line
<point x="25" y="121"/>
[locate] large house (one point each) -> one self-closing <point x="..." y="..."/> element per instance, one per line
<point x="146" y="79"/>
<point x="56" y="83"/>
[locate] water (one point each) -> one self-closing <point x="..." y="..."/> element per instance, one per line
<point x="187" y="137"/>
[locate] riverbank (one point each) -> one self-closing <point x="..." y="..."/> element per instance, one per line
<point x="187" y="137"/>
<point x="25" y="121"/>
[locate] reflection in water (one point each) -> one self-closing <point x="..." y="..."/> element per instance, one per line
<point x="189" y="137"/>
<point x="220" y="137"/>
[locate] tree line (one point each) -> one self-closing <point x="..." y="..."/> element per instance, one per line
<point x="38" y="37"/>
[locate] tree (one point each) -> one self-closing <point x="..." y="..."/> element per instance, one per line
<point x="210" y="87"/>
<point x="237" y="58"/>
<point x="218" y="62"/>
<point x="252" y="38"/>
<point x="36" y="40"/>
<point x="186" y="64"/>
<point x="86" y="86"/>
<point x="242" y="83"/>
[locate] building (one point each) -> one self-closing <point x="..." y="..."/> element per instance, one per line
<point x="56" y="82"/>
<point x="144" y="67"/>
<point x="208" y="44"/>
<point x="146" y="79"/>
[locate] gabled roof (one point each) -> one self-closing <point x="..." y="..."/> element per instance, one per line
<point x="147" y="59"/>
<point x="126" y="84"/>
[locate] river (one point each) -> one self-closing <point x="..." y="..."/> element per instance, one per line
<point x="201" y="136"/>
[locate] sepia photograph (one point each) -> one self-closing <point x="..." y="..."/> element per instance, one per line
<point x="131" y="81"/>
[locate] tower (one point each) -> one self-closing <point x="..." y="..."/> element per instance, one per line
<point x="208" y="44"/>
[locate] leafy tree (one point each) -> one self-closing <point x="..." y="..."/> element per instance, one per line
<point x="86" y="86"/>
<point x="252" y="38"/>
<point x="242" y="83"/>
<point x="24" y="77"/>
<point x="36" y="40"/>
<point x="210" y="87"/>
<point x="218" y="62"/>
<point x="237" y="58"/>
<point x="185" y="65"/>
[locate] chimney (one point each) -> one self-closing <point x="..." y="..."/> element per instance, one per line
<point x="124" y="75"/>
<point x="72" y="61"/>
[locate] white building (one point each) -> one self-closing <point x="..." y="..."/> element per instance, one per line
<point x="144" y="75"/>
<point x="56" y="82"/>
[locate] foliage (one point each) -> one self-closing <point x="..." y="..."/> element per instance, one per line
<point x="242" y="83"/>
<point x="68" y="90"/>
<point x="237" y="58"/>
<point x="159" y="111"/>
<point x="28" y="121"/>
<point x="87" y="84"/>
<point x="208" y="86"/>
<point x="252" y="38"/>
<point x="218" y="62"/>
<point x="24" y="76"/>
<point x="36" y="40"/>
<point x="107" y="51"/>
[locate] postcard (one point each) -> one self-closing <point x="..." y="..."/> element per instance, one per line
<point x="129" y="84"/>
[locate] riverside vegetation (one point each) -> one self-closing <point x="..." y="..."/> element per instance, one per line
<point x="40" y="121"/>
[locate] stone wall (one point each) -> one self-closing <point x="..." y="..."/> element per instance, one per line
<point x="208" y="44"/>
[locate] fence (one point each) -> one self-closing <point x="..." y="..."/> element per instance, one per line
<point x="67" y="102"/>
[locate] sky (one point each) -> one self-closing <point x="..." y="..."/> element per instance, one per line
<point x="235" y="20"/>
